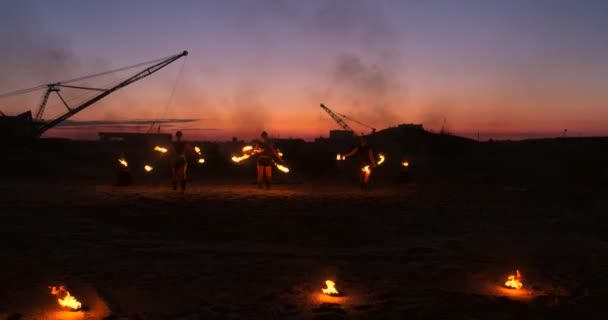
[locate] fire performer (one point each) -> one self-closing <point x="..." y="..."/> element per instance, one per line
<point x="265" y="160"/>
<point x="180" y="164"/>
<point x="367" y="159"/>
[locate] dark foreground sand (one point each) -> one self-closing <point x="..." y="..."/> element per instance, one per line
<point x="224" y="251"/>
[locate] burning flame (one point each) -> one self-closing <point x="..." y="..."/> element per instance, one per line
<point x="247" y="148"/>
<point x="197" y="149"/>
<point x="405" y="164"/>
<point x="67" y="301"/>
<point x="279" y="153"/>
<point x="331" y="288"/>
<point x="241" y="158"/>
<point x="123" y="162"/>
<point x="340" y="157"/>
<point x="281" y="167"/>
<point x="148" y="168"/>
<point x="201" y="160"/>
<point x="381" y="159"/>
<point x="366" y="169"/>
<point x="160" y="149"/>
<point x="513" y="281"/>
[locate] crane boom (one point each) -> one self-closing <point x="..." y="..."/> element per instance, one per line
<point x="42" y="127"/>
<point x="339" y="120"/>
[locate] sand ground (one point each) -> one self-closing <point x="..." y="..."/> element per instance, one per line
<point x="231" y="251"/>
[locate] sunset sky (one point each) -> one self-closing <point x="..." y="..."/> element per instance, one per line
<point x="503" y="68"/>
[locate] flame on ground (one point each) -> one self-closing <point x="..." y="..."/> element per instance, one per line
<point x="201" y="160"/>
<point x="405" y="164"/>
<point x="381" y="156"/>
<point x="366" y="169"/>
<point x="123" y="162"/>
<point x="247" y="148"/>
<point x="160" y="149"/>
<point x="64" y="298"/>
<point x="514" y="281"/>
<point x="331" y="288"/>
<point x="148" y="168"/>
<point x="197" y="149"/>
<point x="281" y="167"/>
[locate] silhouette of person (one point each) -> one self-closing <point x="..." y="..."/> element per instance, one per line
<point x="180" y="164"/>
<point x="265" y="160"/>
<point x="366" y="158"/>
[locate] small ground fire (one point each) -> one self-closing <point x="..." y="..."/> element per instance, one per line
<point x="514" y="281"/>
<point x="331" y="288"/>
<point x="64" y="298"/>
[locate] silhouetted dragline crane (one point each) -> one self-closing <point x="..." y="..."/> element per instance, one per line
<point x="338" y="118"/>
<point x="39" y="127"/>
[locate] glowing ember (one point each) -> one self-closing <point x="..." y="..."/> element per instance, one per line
<point x="148" y="168"/>
<point x="331" y="288"/>
<point x="64" y="298"/>
<point x="282" y="168"/>
<point x="201" y="160"/>
<point x="247" y="148"/>
<point x="241" y="158"/>
<point x="514" y="281"/>
<point x="123" y="162"/>
<point x="197" y="149"/>
<point x="381" y="156"/>
<point x="405" y="164"/>
<point x="160" y="149"/>
<point x="366" y="169"/>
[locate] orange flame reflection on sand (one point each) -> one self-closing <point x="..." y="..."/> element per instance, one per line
<point x="331" y="288"/>
<point x="281" y="167"/>
<point x="405" y="164"/>
<point x="148" y="168"/>
<point x="67" y="301"/>
<point x="160" y="149"/>
<point x="123" y="162"/>
<point x="381" y="156"/>
<point x="514" y="281"/>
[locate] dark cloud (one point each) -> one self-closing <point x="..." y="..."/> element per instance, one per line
<point x="72" y="123"/>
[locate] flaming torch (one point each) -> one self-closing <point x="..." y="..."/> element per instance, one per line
<point x="514" y="281"/>
<point x="241" y="158"/>
<point x="381" y="156"/>
<point x="340" y="157"/>
<point x="405" y="164"/>
<point x="65" y="299"/>
<point x="281" y="167"/>
<point x="331" y="288"/>
<point x="366" y="169"/>
<point x="201" y="160"/>
<point x="148" y="168"/>
<point x="160" y="149"/>
<point x="123" y="162"/>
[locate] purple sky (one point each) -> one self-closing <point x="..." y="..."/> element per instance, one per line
<point x="519" y="68"/>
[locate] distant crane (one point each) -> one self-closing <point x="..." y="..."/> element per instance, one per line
<point x="338" y="117"/>
<point x="38" y="126"/>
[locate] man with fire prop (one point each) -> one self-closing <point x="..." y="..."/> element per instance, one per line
<point x="180" y="165"/>
<point x="267" y="157"/>
<point x="367" y="159"/>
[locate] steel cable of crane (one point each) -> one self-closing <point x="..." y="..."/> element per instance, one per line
<point x="22" y="91"/>
<point x="179" y="74"/>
